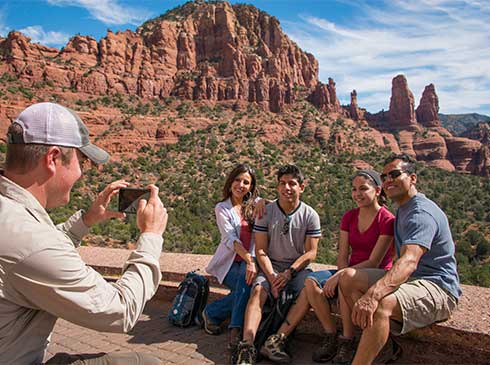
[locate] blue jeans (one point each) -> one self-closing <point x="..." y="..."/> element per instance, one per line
<point x="234" y="304"/>
<point x="321" y="277"/>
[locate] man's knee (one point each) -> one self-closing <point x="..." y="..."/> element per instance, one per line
<point x="388" y="307"/>
<point x="258" y="296"/>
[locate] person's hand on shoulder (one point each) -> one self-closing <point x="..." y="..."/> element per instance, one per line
<point x="259" y="208"/>
<point x="152" y="215"/>
<point x="98" y="211"/>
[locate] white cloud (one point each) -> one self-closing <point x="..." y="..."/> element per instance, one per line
<point x="107" y="11"/>
<point x="444" y="42"/>
<point x="3" y="28"/>
<point x="39" y="35"/>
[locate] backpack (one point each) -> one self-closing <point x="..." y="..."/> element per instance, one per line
<point x="274" y="313"/>
<point x="191" y="298"/>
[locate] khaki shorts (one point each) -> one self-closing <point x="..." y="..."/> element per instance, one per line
<point x="422" y="303"/>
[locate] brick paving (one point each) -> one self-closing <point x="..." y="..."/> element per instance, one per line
<point x="154" y="334"/>
<point x="191" y="346"/>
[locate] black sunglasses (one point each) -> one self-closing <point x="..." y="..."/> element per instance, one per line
<point x="285" y="226"/>
<point x="393" y="174"/>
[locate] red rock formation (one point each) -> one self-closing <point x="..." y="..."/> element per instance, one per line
<point x="428" y="109"/>
<point x="206" y="51"/>
<point x="430" y="147"/>
<point x="307" y="130"/>
<point x="405" y="141"/>
<point x="481" y="162"/>
<point x="354" y="111"/>
<point x="462" y="151"/>
<point x="401" y="113"/>
<point x="324" y="97"/>
<point x="237" y="54"/>
<point x="81" y="50"/>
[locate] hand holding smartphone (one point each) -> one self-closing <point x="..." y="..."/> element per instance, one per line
<point x="129" y="199"/>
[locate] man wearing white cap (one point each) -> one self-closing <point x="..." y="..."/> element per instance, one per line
<point x="42" y="276"/>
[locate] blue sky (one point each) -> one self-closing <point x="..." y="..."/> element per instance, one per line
<point x="361" y="44"/>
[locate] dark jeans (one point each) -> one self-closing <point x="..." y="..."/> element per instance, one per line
<point x="234" y="304"/>
<point x="128" y="358"/>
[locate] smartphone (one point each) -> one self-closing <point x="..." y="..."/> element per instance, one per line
<point x="129" y="199"/>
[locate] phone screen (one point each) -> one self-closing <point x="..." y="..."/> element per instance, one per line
<point x="129" y="199"/>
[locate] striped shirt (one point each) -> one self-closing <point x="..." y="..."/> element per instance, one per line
<point x="287" y="232"/>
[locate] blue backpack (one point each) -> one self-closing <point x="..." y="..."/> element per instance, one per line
<point x="191" y="298"/>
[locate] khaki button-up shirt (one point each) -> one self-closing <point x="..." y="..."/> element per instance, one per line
<point x="42" y="277"/>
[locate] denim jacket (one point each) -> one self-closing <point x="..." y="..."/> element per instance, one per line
<point x="228" y="223"/>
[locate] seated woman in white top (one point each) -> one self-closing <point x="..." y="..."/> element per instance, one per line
<point x="233" y="263"/>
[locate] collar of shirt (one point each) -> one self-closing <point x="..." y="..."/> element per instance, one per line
<point x="12" y="191"/>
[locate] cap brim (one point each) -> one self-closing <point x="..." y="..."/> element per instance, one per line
<point x="96" y="154"/>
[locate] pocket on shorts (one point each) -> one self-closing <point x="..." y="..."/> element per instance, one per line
<point x="441" y="310"/>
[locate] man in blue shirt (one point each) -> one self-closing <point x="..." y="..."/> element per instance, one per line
<point x="422" y="287"/>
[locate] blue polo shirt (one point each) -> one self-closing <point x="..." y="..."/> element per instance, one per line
<point x="420" y="221"/>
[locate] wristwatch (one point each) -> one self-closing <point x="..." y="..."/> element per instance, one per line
<point x="293" y="272"/>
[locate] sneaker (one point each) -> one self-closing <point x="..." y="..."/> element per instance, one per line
<point x="210" y="327"/>
<point x="246" y="354"/>
<point x="327" y="350"/>
<point x="346" y="350"/>
<point x="274" y="349"/>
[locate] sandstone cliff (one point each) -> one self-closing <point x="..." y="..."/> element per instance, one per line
<point x="221" y="54"/>
<point x="199" y="51"/>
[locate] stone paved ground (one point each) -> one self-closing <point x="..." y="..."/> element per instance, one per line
<point x="154" y="334"/>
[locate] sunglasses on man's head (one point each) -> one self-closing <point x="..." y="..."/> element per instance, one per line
<point x="393" y="174"/>
<point x="285" y="226"/>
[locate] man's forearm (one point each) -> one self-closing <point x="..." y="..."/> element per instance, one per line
<point x="265" y="265"/>
<point x="304" y="260"/>
<point x="397" y="275"/>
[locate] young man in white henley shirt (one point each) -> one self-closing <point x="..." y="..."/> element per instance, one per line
<point x="286" y="242"/>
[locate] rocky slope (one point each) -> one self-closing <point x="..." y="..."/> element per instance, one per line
<point x="199" y="51"/>
<point x="169" y="77"/>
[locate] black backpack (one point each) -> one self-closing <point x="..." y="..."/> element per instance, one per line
<point x="191" y="298"/>
<point x="274" y="313"/>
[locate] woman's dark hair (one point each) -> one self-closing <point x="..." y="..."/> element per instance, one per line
<point x="248" y="202"/>
<point x="374" y="180"/>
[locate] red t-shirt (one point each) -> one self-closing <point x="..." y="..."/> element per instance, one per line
<point x="363" y="243"/>
<point x="245" y="237"/>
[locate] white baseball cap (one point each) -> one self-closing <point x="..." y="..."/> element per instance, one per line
<point x="53" y="124"/>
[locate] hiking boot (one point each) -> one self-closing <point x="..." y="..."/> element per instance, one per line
<point x="346" y="349"/>
<point x="274" y="349"/>
<point x="210" y="327"/>
<point x="235" y="338"/>
<point x="327" y="350"/>
<point x="246" y="354"/>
